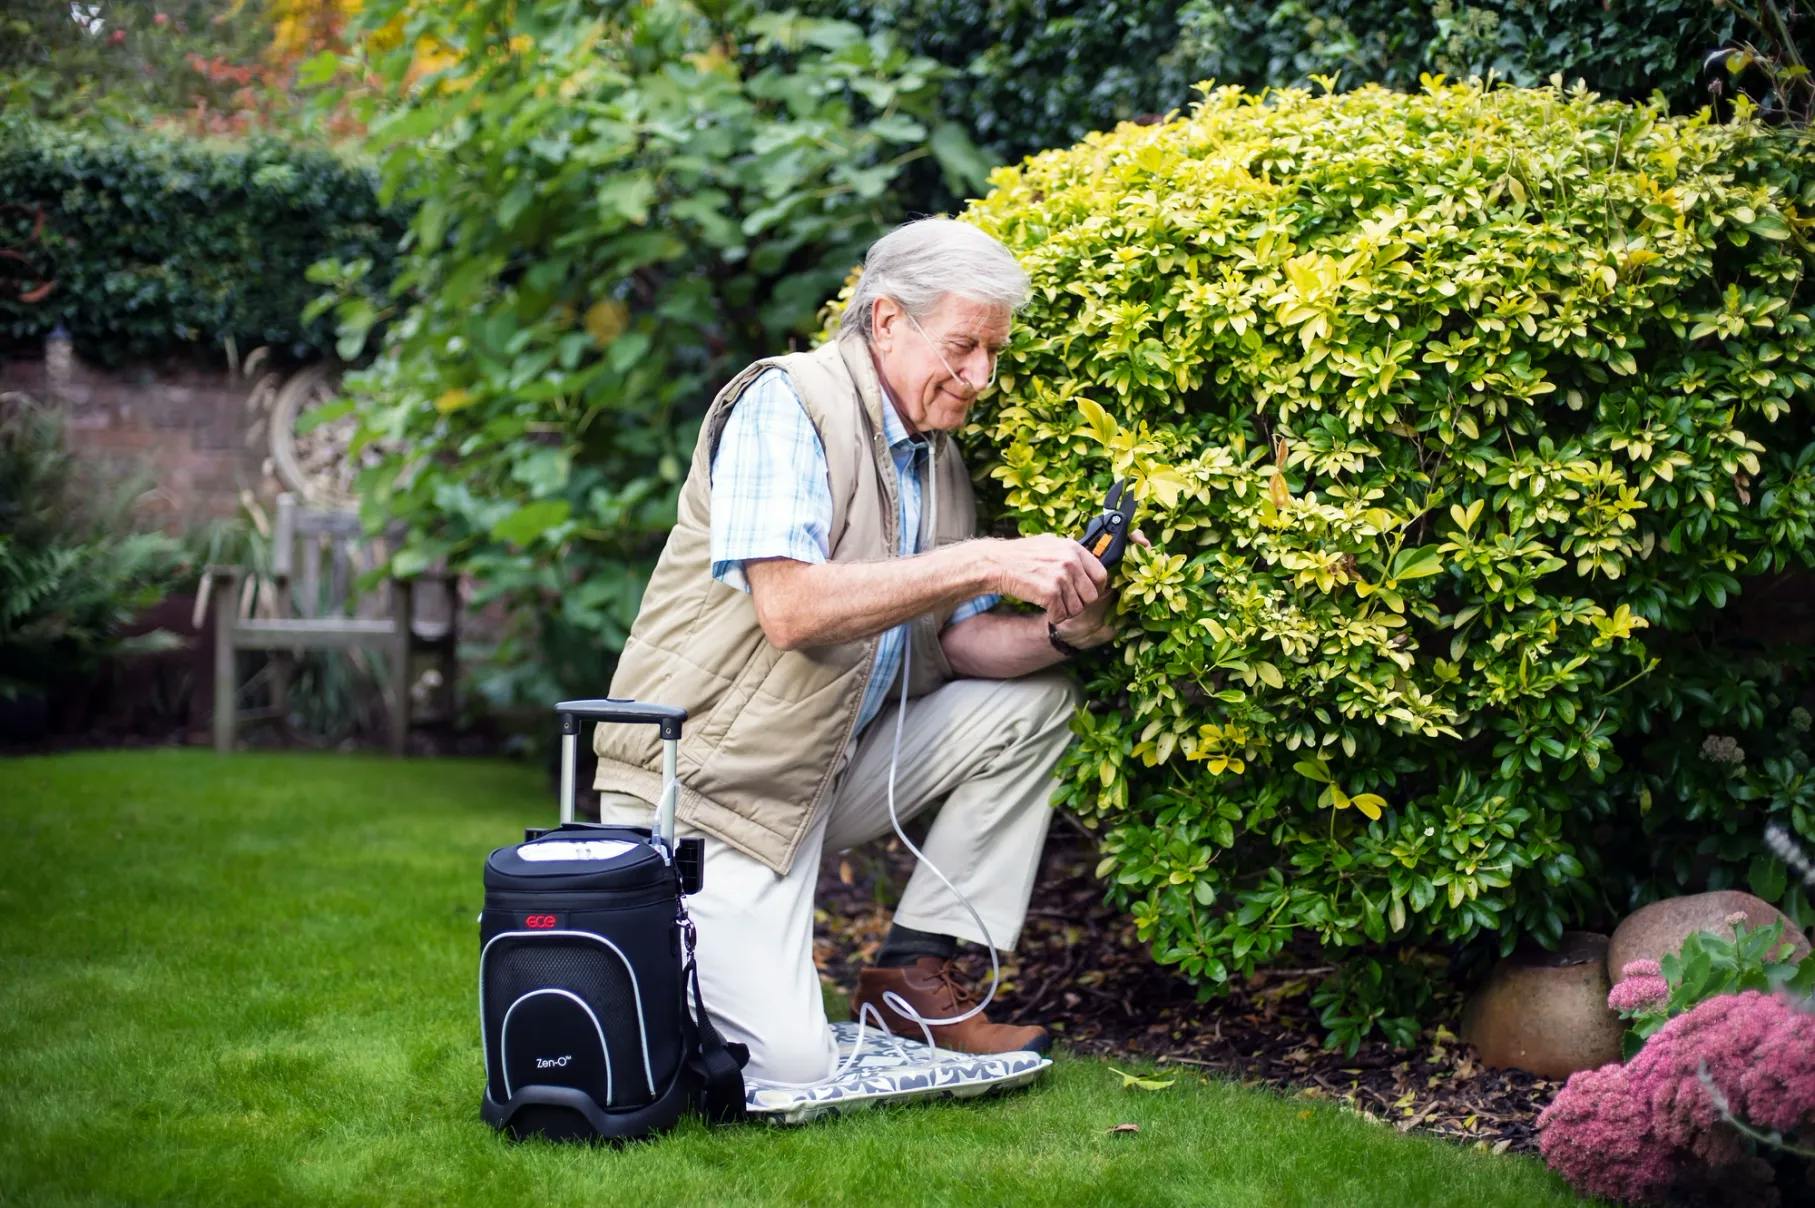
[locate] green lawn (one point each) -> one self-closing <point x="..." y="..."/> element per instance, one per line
<point x="251" y="980"/>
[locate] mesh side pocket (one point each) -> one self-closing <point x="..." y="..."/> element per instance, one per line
<point x="589" y="967"/>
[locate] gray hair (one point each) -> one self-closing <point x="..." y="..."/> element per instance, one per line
<point x="920" y="262"/>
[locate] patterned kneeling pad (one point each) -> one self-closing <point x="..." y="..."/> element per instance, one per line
<point x="893" y="1069"/>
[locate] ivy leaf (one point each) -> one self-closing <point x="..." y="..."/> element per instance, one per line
<point x="628" y="196"/>
<point x="544" y="471"/>
<point x="898" y="128"/>
<point x="531" y="521"/>
<point x="409" y="562"/>
<point x="964" y="166"/>
<point x="317" y="69"/>
<point x="313" y="418"/>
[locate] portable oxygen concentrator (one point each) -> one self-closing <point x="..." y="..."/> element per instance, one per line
<point x="586" y="960"/>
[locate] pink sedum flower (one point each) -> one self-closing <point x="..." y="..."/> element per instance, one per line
<point x="1645" y="1130"/>
<point x="1642" y="969"/>
<point x="1637" y="993"/>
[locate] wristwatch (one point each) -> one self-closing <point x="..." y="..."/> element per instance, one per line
<point x="1060" y="644"/>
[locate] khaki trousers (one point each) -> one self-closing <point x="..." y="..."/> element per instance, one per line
<point x="986" y="748"/>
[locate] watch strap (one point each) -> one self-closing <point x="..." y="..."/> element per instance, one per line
<point x="1060" y="644"/>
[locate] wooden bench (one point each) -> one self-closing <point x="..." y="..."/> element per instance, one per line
<point x="316" y="554"/>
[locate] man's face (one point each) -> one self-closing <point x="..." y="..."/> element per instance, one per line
<point x="936" y="366"/>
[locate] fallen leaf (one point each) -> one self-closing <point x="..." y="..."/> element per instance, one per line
<point x="1131" y="1081"/>
<point x="1124" y="1128"/>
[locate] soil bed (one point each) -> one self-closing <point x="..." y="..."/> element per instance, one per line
<point x="1081" y="971"/>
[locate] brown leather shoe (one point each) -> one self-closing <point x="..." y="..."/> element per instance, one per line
<point x="928" y="987"/>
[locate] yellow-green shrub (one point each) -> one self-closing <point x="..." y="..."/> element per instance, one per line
<point x="1456" y="418"/>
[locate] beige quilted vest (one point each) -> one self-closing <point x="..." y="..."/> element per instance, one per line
<point x="765" y="726"/>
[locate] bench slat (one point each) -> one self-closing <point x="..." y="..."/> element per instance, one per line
<point x="318" y="632"/>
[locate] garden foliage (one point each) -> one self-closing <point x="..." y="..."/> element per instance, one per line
<point x="139" y="243"/>
<point x="1620" y="48"/>
<point x="1033" y="74"/>
<point x="73" y="572"/>
<point x="103" y="61"/>
<point x="615" y="210"/>
<point x="1651" y="993"/>
<point x="200" y="66"/>
<point x="1460" y="419"/>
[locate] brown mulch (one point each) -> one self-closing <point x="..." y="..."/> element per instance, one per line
<point x="1081" y="971"/>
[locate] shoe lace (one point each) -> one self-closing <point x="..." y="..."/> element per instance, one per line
<point x="962" y="996"/>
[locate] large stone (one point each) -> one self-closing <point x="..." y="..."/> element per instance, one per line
<point x="1650" y="932"/>
<point x="1546" y="1012"/>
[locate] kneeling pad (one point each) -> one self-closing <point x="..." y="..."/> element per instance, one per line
<point x="892" y="1069"/>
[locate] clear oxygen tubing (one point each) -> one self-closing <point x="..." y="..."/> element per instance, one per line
<point x="893" y="1000"/>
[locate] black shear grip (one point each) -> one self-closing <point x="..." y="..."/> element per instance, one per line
<point x="1107" y="534"/>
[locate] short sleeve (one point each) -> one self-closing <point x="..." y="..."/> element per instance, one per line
<point x="971" y="608"/>
<point x="771" y="497"/>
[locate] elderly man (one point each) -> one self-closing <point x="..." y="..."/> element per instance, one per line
<point x="826" y="531"/>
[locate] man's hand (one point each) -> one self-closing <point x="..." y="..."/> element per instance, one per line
<point x="1053" y="572"/>
<point x="1091" y="627"/>
<point x="1001" y="644"/>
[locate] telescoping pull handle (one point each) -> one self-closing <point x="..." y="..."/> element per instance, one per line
<point x="611" y="709"/>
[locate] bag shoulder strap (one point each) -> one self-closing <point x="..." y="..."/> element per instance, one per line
<point x="717" y="1064"/>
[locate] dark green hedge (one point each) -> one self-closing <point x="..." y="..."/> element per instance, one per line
<point x="154" y="245"/>
<point x="1039" y="73"/>
<point x="1035" y="74"/>
<point x="1620" y="48"/>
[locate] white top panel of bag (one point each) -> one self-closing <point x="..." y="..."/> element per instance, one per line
<point x="577" y="849"/>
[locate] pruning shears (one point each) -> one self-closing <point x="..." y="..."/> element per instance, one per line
<point x="1107" y="535"/>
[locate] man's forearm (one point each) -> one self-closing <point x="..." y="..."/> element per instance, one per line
<point x="801" y="604"/>
<point x="999" y="646"/>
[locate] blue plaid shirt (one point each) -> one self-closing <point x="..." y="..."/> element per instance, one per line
<point x="772" y="498"/>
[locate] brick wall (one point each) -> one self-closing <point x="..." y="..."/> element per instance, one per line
<point x="187" y="430"/>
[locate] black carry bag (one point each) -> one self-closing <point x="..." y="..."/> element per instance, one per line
<point x="585" y="962"/>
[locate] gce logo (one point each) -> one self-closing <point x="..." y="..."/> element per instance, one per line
<point x="541" y="922"/>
